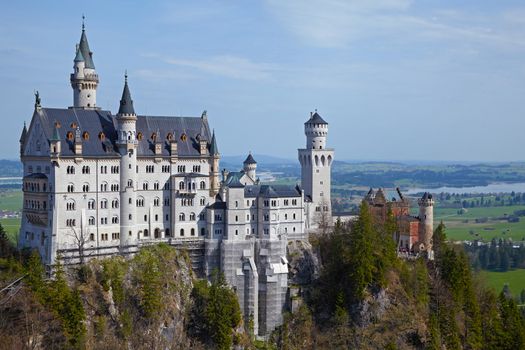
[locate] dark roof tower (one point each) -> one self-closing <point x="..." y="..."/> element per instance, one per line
<point x="249" y="159"/>
<point x="84" y="48"/>
<point x="315" y="118"/>
<point x="24" y="134"/>
<point x="214" y="150"/>
<point x="126" y="103"/>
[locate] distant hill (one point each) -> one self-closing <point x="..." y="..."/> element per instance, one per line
<point x="10" y="168"/>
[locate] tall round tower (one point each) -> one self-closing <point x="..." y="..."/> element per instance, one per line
<point x="84" y="79"/>
<point x="316" y="166"/>
<point x="250" y="166"/>
<point x="127" y="144"/>
<point x="426" y="217"/>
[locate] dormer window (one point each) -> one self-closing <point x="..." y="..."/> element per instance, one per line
<point x="69" y="136"/>
<point x="183" y="137"/>
<point x="154" y="136"/>
<point x="101" y="136"/>
<point x="85" y="135"/>
<point x="74" y="125"/>
<point x="140" y="136"/>
<point x="169" y="137"/>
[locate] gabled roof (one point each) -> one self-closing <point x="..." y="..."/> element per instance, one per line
<point x="84" y="49"/>
<point x="250" y="160"/>
<point x="95" y="122"/>
<point x="271" y="191"/>
<point x="24" y="133"/>
<point x="316" y="119"/>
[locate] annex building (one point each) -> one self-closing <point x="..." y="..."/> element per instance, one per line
<point x="97" y="184"/>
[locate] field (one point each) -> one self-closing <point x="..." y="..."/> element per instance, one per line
<point x="11" y="200"/>
<point x="496" y="280"/>
<point x="459" y="227"/>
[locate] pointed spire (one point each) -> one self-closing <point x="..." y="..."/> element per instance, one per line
<point x="126" y="103"/>
<point x="214" y="150"/>
<point x="249" y="159"/>
<point x="78" y="56"/>
<point x="24" y="133"/>
<point x="78" y="137"/>
<point x="56" y="134"/>
<point x="84" y="48"/>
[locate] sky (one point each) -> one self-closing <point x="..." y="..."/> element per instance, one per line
<point x="396" y="79"/>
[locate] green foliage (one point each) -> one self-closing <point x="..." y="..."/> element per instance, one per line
<point x="148" y="277"/>
<point x="216" y="311"/>
<point x="113" y="272"/>
<point x="35" y="273"/>
<point x="6" y="248"/>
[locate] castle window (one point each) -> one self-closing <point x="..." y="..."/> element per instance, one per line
<point x="182" y="232"/>
<point x="146" y="232"/>
<point x="114" y="203"/>
<point x="70" y="188"/>
<point x="85" y="135"/>
<point x="236" y="218"/>
<point x="156" y="185"/>
<point x="169" y="137"/>
<point x="130" y="183"/>
<point x="236" y="232"/>
<point x="285" y="216"/>
<point x="192" y="217"/>
<point x="166" y="202"/>
<point x="156" y="202"/>
<point x="203" y="231"/>
<point x="192" y="232"/>
<point x="140" y="136"/>
<point x="202" y="201"/>
<point x="104" y="204"/>
<point x="183" y="137"/>
<point x="145" y="186"/>
<point x="101" y="136"/>
<point x="154" y="136"/>
<point x="145" y="218"/>
<point x="74" y="125"/>
<point x="70" y="205"/>
<point x="91" y="236"/>
<point x="294" y="216"/>
<point x="85" y="169"/>
<point x="70" y="170"/>
<point x="182" y="217"/>
<point x="167" y="232"/>
<point x="201" y="216"/>
<point x="91" y="204"/>
<point x="167" y="217"/>
<point x="114" y="220"/>
<point x="236" y="204"/>
<point x="203" y="185"/>
<point x="156" y="217"/>
<point x="85" y="188"/>
<point x="181" y="185"/>
<point x="69" y="136"/>
<point x="130" y="216"/>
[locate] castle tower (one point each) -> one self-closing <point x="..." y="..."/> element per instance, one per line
<point x="426" y="217"/>
<point x="214" y="168"/>
<point x="84" y="79"/>
<point x="250" y="166"/>
<point x="316" y="163"/>
<point x="127" y="144"/>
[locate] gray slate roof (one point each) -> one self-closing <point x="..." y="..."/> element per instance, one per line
<point x="126" y="103"/>
<point x="316" y="119"/>
<point x="86" y="52"/>
<point x="95" y="121"/>
<point x="249" y="160"/>
<point x="271" y="191"/>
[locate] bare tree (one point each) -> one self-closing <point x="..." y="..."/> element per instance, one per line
<point x="80" y="237"/>
<point x="323" y="217"/>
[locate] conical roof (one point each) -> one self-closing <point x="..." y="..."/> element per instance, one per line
<point x="24" y="133"/>
<point x="56" y="134"/>
<point x="316" y="119"/>
<point x="249" y="160"/>
<point x="84" y="50"/>
<point x="214" y="150"/>
<point x="126" y="103"/>
<point x="79" y="57"/>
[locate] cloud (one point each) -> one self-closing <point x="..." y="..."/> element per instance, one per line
<point x="229" y="66"/>
<point x="338" y="23"/>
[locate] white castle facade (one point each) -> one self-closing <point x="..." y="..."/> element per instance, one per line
<point x="97" y="184"/>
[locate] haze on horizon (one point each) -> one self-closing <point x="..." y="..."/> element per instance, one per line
<point x="396" y="79"/>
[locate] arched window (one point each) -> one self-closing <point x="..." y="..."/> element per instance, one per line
<point x="156" y="233"/>
<point x="203" y="231"/>
<point x="192" y="232"/>
<point x="182" y="232"/>
<point x="70" y="205"/>
<point x="91" y="204"/>
<point x="146" y="232"/>
<point x="192" y="217"/>
<point x="167" y="232"/>
<point x="70" y="188"/>
<point x="202" y="185"/>
<point x="182" y="217"/>
<point x="181" y="185"/>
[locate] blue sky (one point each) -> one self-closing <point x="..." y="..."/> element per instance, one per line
<point x="396" y="79"/>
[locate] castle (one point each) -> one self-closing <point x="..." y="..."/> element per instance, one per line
<point x="97" y="184"/>
<point x="414" y="232"/>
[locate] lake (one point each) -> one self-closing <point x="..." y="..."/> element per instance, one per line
<point x="491" y="188"/>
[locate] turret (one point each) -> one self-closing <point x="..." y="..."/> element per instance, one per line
<point x="78" y="144"/>
<point x="316" y="130"/>
<point x="84" y="79"/>
<point x="23" y="139"/>
<point x="250" y="166"/>
<point x="426" y="217"/>
<point x="214" y="166"/>
<point x="54" y="143"/>
<point x="127" y="143"/>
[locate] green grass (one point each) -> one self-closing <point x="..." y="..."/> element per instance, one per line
<point x="496" y="280"/>
<point x="459" y="229"/>
<point x="11" y="226"/>
<point x="11" y="200"/>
